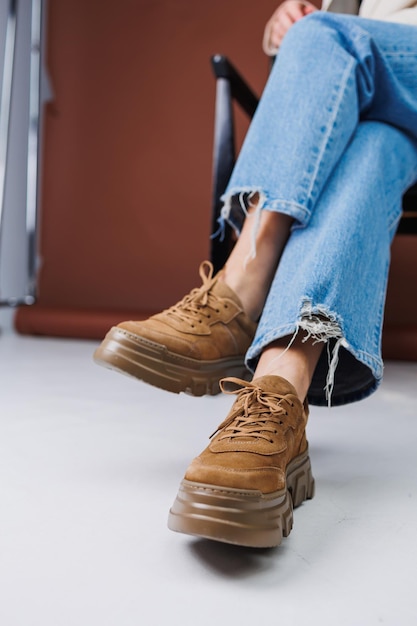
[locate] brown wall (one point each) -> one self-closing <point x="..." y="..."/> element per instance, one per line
<point x="400" y="332"/>
<point x="127" y="157"/>
<point x="128" y="141"/>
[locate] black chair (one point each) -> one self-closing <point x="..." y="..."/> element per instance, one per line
<point x="231" y="87"/>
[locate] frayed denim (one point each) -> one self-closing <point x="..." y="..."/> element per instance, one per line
<point x="334" y="145"/>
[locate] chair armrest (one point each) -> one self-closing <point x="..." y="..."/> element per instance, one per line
<point x="240" y="90"/>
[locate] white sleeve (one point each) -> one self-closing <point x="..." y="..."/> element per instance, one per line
<point x="341" y="6"/>
<point x="402" y="11"/>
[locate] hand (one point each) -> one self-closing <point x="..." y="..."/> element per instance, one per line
<point x="281" y="21"/>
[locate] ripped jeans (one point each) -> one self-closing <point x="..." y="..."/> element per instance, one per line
<point x="334" y="145"/>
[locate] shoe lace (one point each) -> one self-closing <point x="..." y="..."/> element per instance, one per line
<point x="255" y="414"/>
<point x="198" y="300"/>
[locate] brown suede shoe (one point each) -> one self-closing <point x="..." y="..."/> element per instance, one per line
<point x="190" y="346"/>
<point x="244" y="485"/>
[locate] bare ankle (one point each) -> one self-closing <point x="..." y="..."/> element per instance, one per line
<point x="250" y="275"/>
<point x="294" y="361"/>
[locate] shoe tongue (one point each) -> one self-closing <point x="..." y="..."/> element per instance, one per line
<point x="275" y="384"/>
<point x="221" y="290"/>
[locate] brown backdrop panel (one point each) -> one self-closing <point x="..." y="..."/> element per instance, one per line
<point x="400" y="331"/>
<point x="127" y="160"/>
<point x="127" y="152"/>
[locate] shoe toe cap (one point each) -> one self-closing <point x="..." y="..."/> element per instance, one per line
<point x="263" y="479"/>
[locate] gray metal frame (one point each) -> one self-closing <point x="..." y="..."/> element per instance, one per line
<point x="33" y="139"/>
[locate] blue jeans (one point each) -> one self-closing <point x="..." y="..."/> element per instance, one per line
<point x="334" y="145"/>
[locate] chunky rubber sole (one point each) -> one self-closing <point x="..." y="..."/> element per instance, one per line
<point x="155" y="364"/>
<point x="242" y="517"/>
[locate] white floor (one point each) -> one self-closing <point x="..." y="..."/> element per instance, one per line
<point x="90" y="462"/>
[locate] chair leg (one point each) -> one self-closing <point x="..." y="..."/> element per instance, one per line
<point x="223" y="162"/>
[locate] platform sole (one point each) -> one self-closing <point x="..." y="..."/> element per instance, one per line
<point x="242" y="517"/>
<point x="155" y="364"/>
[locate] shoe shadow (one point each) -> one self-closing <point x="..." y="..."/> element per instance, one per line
<point x="232" y="561"/>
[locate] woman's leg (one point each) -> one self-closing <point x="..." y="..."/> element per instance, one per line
<point x="331" y="279"/>
<point x="330" y="284"/>
<point x="306" y="122"/>
<point x="331" y="72"/>
<point x="251" y="276"/>
<point x="330" y="272"/>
